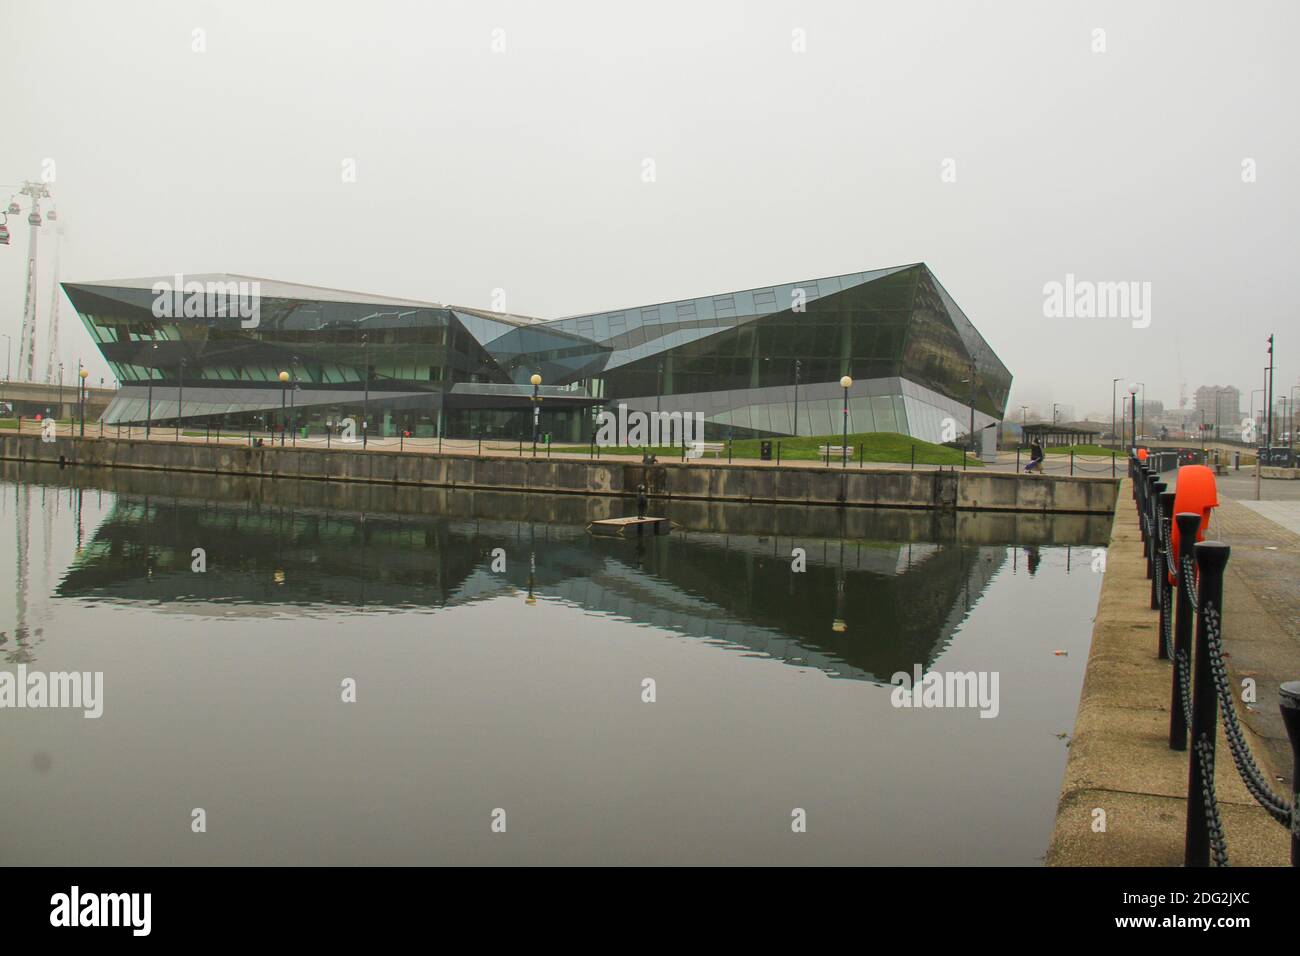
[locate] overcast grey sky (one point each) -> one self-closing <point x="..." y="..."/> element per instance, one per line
<point x="523" y="168"/>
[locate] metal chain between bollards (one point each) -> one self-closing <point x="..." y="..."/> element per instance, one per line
<point x="1213" y="822"/>
<point x="1277" y="807"/>
<point x="1186" y="579"/>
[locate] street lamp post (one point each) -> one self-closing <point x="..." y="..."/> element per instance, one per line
<point x="180" y="397"/>
<point x="60" y="412"/>
<point x="1269" y="408"/>
<point x="537" y="407"/>
<point x="1291" y="420"/>
<point x="972" y="406"/>
<point x="1132" y="404"/>
<point x="1144" y="409"/>
<point x="798" y="365"/>
<point x="365" y="402"/>
<point x="1112" y="408"/>
<point x="845" y="382"/>
<point x="284" y="382"/>
<point x="148" y="415"/>
<point x="81" y="392"/>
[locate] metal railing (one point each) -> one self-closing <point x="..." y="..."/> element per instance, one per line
<point x="1187" y="590"/>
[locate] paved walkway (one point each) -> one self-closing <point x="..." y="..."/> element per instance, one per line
<point x="1262" y="603"/>
<point x="1283" y="513"/>
<point x="1120" y="762"/>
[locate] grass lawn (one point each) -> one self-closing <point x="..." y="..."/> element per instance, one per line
<point x="876" y="446"/>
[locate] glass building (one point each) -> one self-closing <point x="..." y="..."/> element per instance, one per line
<point x="762" y="362"/>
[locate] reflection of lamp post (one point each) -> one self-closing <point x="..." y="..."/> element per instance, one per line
<point x="839" y="624"/>
<point x="845" y="382"/>
<point x="284" y="381"/>
<point x="537" y="408"/>
<point x="531" y="599"/>
<point x="81" y="392"/>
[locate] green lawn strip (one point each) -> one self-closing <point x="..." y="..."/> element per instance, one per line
<point x="875" y="446"/>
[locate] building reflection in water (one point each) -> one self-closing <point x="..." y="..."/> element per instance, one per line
<point x="874" y="599"/>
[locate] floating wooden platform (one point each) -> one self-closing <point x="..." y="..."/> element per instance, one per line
<point x="634" y="527"/>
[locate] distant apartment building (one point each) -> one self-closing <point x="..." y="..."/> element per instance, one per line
<point x="1219" y="405"/>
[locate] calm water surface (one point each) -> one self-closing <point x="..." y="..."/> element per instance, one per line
<point x="520" y="688"/>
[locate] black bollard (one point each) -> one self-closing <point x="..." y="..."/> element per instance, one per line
<point x="1290" y="694"/>
<point x="1211" y="557"/>
<point x="1157" y="489"/>
<point x="1188" y="525"/>
<point x="640" y="501"/>
<point x="1166" y="509"/>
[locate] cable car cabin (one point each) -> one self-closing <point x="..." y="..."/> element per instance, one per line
<point x="33" y="218"/>
<point x="13" y="209"/>
<point x="4" y="235"/>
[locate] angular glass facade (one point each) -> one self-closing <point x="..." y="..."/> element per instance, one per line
<point x="759" y="362"/>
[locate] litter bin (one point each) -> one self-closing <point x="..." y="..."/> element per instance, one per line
<point x="765" y="450"/>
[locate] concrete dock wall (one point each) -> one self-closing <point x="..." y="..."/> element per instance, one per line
<point x="974" y="490"/>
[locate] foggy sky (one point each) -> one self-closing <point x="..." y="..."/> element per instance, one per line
<point x="523" y="170"/>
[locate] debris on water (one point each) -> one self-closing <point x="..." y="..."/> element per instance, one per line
<point x="1060" y="653"/>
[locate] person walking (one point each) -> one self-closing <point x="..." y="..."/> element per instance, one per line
<point x="1035" y="458"/>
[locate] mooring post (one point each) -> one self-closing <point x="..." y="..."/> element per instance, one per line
<point x="640" y="500"/>
<point x="1166" y="508"/>
<point x="1211" y="557"/>
<point x="1157" y="491"/>
<point x="1148" y="537"/>
<point x="1188" y="525"/>
<point x="1290" y="694"/>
